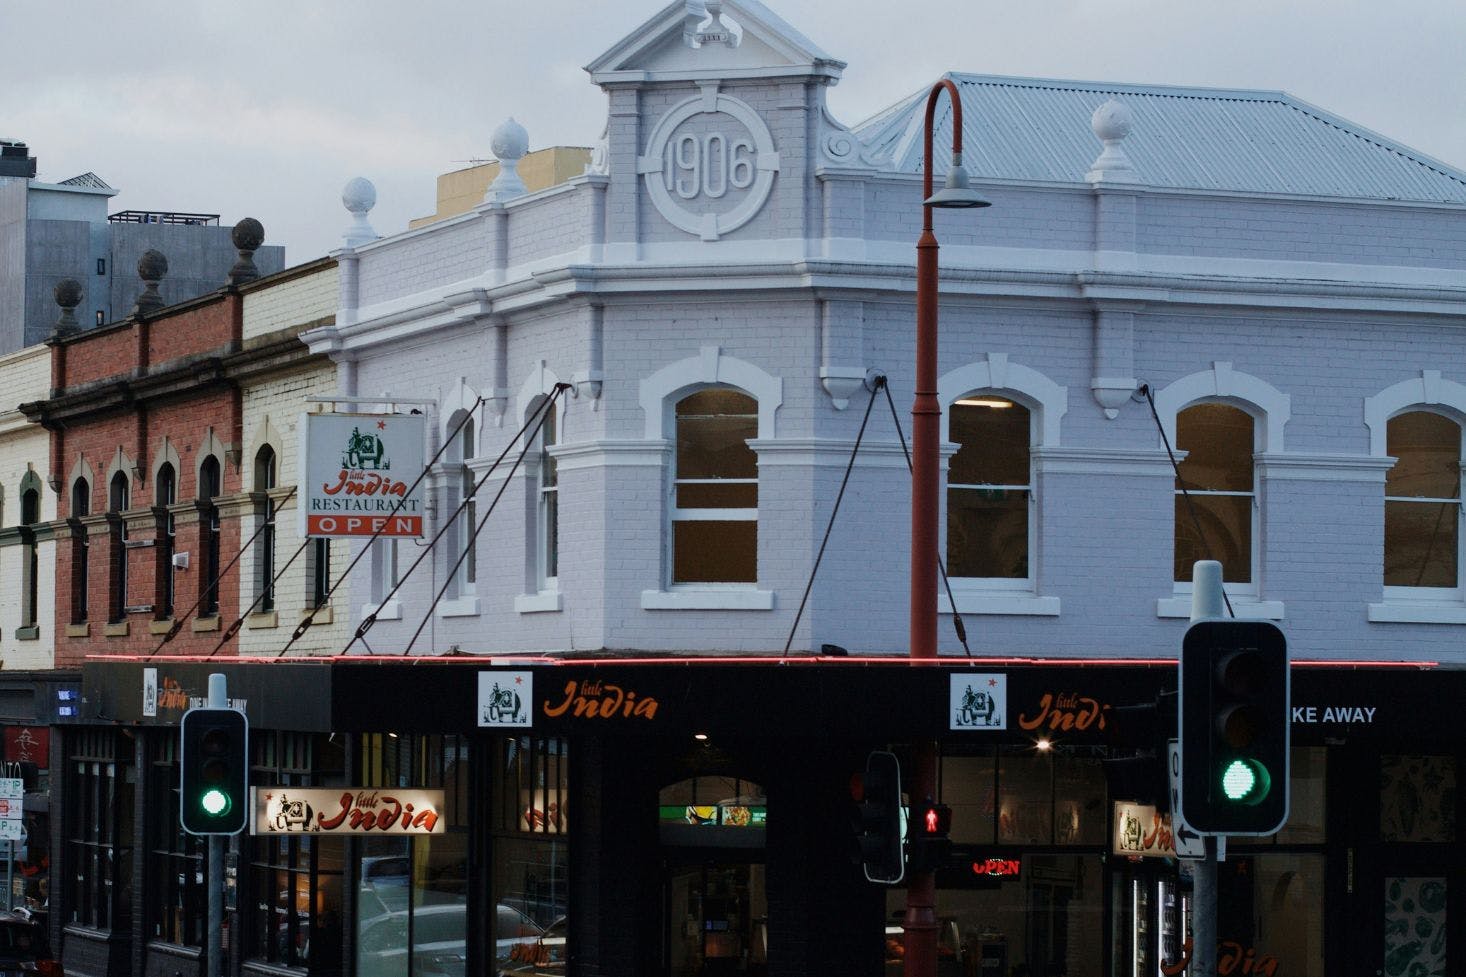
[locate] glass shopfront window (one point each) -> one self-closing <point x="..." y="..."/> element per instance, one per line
<point x="1031" y="901"/>
<point x="412" y="893"/>
<point x="1027" y="797"/>
<point x="98" y="830"/>
<point x="177" y="897"/>
<point x="531" y="859"/>
<point x="1270" y="913"/>
<point x="1036" y="915"/>
<point x="295" y="879"/>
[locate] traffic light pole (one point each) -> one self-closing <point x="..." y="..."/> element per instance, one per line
<point x="1206" y="602"/>
<point x="218" y="699"/>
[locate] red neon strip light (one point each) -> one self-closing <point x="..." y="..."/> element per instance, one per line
<point x="494" y="661"/>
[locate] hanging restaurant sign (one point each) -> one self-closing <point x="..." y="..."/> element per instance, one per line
<point x="356" y="470"/>
<point x="346" y="811"/>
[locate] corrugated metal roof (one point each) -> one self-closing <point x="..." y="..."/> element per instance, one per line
<point x="1186" y="138"/>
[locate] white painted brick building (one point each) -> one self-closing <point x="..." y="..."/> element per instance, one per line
<point x="27" y="557"/>
<point x="1237" y="249"/>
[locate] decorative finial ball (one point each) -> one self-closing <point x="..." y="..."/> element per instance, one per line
<point x="510" y="141"/>
<point x="1112" y="120"/>
<point x="248" y="234"/>
<point x="358" y="196"/>
<point x="152" y="265"/>
<point x="68" y="293"/>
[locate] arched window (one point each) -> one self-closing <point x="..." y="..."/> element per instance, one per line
<point x="118" y="502"/>
<point x="1423" y="503"/>
<point x="1219" y="522"/>
<point x="30" y="516"/>
<point x="264" y="481"/>
<point x="460" y="488"/>
<point x="544" y="504"/>
<point x="989" y="488"/>
<point x="165" y="494"/>
<point x="211" y="484"/>
<point x="81" y="507"/>
<point x="715" y="489"/>
<point x="1001" y="416"/>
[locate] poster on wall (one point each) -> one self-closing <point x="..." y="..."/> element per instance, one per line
<point x="356" y="472"/>
<point x="346" y="811"/>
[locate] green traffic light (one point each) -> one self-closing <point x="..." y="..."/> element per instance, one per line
<point x="1245" y="781"/>
<point x="214" y="802"/>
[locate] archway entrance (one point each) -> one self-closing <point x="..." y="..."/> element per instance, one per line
<point x="714" y="894"/>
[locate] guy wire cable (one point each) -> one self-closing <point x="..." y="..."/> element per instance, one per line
<point x="941" y="567"/>
<point x="809" y="584"/>
<point x="539" y="420"/>
<point x="233" y="629"/>
<point x="371" y="619"/>
<point x="218" y="578"/>
<point x="1190" y="506"/>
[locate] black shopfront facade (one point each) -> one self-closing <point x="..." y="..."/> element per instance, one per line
<point x="614" y="817"/>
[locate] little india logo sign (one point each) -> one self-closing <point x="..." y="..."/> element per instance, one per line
<point x="364" y="810"/>
<point x="350" y="485"/>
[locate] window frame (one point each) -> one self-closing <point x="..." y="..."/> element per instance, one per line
<point x="1245" y="589"/>
<point x="458" y="482"/>
<point x="1046" y="402"/>
<point x="976" y="585"/>
<point x="1270" y="409"/>
<point x="266" y="480"/>
<point x="290" y="759"/>
<point x="81" y="570"/>
<point x="1427" y="391"/>
<point x="98" y="830"/>
<point x="1445" y="595"/>
<point x="677" y="514"/>
<point x="177" y="894"/>
<point x="210" y="487"/>
<point x="119" y="500"/>
<point x="658" y="395"/>
<point x="165" y="496"/>
<point x="30" y="520"/>
<point x="547" y="506"/>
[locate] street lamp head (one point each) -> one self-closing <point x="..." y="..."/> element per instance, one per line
<point x="955" y="192"/>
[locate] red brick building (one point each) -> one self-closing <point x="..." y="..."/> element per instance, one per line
<point x="155" y="494"/>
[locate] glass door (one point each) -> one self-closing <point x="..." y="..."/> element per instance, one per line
<point x="716" y="915"/>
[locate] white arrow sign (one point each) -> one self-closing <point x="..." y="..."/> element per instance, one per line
<point x="1189" y="843"/>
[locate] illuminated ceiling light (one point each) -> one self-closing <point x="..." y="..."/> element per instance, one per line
<point x="984" y="402"/>
<point x="700" y="737"/>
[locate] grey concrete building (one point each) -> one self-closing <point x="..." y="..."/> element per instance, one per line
<point x="52" y="231"/>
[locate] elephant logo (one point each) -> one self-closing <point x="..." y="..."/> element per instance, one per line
<point x="364" y="451"/>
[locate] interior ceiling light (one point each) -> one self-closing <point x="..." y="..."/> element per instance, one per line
<point x="984" y="402"/>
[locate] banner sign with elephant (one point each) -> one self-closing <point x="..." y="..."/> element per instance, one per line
<point x="346" y="811"/>
<point x="360" y="474"/>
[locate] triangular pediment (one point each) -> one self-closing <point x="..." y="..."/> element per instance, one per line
<point x="660" y="49"/>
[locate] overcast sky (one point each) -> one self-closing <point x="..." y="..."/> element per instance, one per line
<point x="265" y="108"/>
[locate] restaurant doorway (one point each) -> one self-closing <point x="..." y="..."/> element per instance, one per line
<point x="716" y="916"/>
<point x="714" y="892"/>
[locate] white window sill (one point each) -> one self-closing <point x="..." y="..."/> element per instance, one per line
<point x="1026" y="605"/>
<point x="545" y="600"/>
<point x="458" y="607"/>
<point x="1417" y="612"/>
<point x="389" y="611"/>
<point x="1245" y="608"/>
<point x="708" y="599"/>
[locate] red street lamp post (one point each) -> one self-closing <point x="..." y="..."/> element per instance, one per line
<point x="921" y="918"/>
